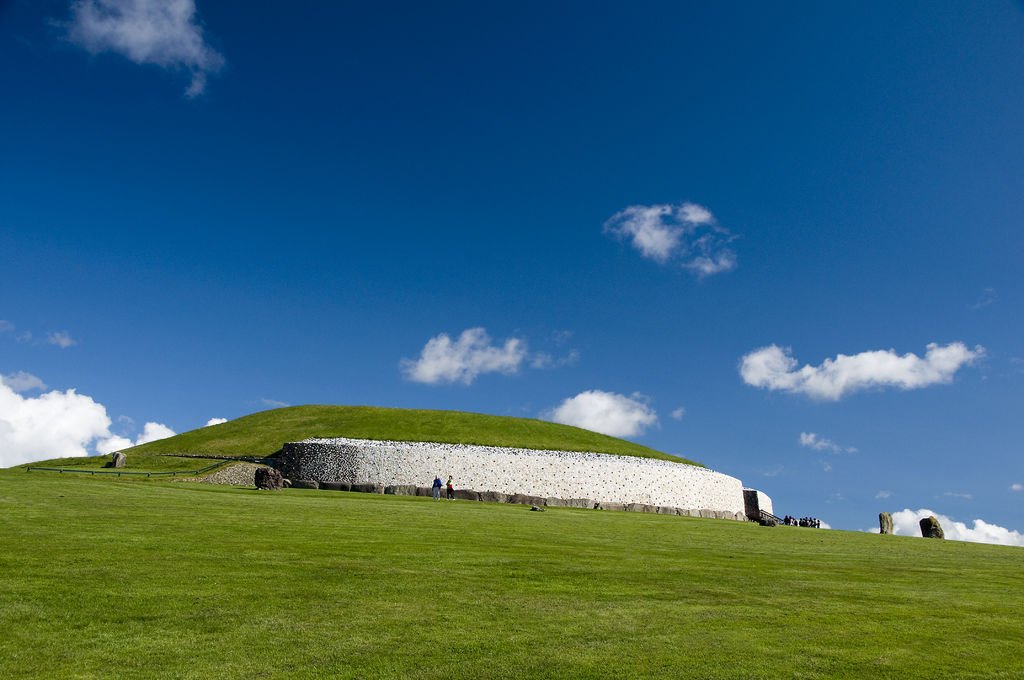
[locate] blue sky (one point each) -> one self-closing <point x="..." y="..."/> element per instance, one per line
<point x="257" y="203"/>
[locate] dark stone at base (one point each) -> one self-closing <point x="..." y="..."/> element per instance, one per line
<point x="335" y="486"/>
<point x="286" y="483"/>
<point x="268" y="479"/>
<point x="368" y="488"/>
<point x="666" y="510"/>
<point x="493" y="497"/>
<point x="885" y="523"/>
<point x="305" y="484"/>
<point x="579" y="503"/>
<point x="930" y="528"/>
<point x="424" y="491"/>
<point x="400" y="490"/>
<point x="640" y="507"/>
<point x="554" y="502"/>
<point x="524" y="499"/>
<point x="615" y="507"/>
<point x="536" y="508"/>
<point x="466" y="495"/>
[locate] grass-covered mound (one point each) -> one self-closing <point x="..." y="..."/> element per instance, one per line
<point x="109" y="578"/>
<point x="263" y="433"/>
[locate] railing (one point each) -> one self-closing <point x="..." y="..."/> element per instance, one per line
<point x="769" y="517"/>
<point x="184" y="473"/>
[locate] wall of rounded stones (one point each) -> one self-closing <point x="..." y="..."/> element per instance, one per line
<point x="599" y="477"/>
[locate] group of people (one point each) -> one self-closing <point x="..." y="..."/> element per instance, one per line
<point x="448" y="487"/>
<point x="802" y="522"/>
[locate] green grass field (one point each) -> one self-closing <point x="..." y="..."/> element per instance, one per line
<point x="108" y="578"/>
<point x="263" y="433"/>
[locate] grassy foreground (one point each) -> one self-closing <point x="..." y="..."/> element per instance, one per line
<point x="263" y="433"/>
<point x="115" y="578"/>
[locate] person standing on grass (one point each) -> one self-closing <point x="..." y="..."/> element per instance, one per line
<point x="450" y="489"/>
<point x="437" y="487"/>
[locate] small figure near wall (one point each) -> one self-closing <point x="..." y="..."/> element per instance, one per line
<point x="437" y="487"/>
<point x="450" y="489"/>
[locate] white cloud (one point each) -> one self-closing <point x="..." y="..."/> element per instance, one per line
<point x="606" y="412"/>
<point x="113" y="443"/>
<point x="883" y="494"/>
<point x="52" y="425"/>
<point x="444" y="361"/>
<point x="6" y="327"/>
<point x="678" y="413"/>
<point x="907" y="523"/>
<point x="165" y="33"/>
<point x="22" y="382"/>
<point x="774" y="368"/>
<point x="274" y="403"/>
<point x="1017" y="487"/>
<point x="215" y="421"/>
<point x="686" y="232"/>
<point x="152" y="432"/>
<point x="963" y="496"/>
<point x="813" y="441"/>
<point x="61" y="339"/>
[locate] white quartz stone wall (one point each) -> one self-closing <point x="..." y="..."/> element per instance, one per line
<point x="559" y="474"/>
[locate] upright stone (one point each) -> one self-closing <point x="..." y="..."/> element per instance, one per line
<point x="117" y="461"/>
<point x="269" y="479"/>
<point x="930" y="528"/>
<point x="885" y="523"/>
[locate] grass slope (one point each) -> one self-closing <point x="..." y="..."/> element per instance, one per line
<point x="263" y="433"/>
<point x="115" y="578"/>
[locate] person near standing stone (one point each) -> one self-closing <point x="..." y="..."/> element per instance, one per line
<point x="450" y="489"/>
<point x="437" y="487"/>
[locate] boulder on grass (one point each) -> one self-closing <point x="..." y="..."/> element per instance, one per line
<point x="305" y="484"/>
<point x="930" y="528"/>
<point x="335" y="486"/>
<point x="885" y="523"/>
<point x="493" y="497"/>
<point x="268" y="479"/>
<point x="466" y="495"/>
<point x="118" y="460"/>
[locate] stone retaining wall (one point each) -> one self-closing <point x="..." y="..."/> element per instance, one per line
<point x="600" y="478"/>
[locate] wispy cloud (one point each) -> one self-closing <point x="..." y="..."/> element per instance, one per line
<point x="774" y="368"/>
<point x="814" y="441"/>
<point x="988" y="297"/>
<point x="61" y="339"/>
<point x="274" y="403"/>
<point x="164" y="33"/>
<point x="962" y="496"/>
<point x="678" y="413"/>
<point x="686" y="232"/>
<point x="22" y="382"/>
<point x="883" y="494"/>
<point x="606" y="412"/>
<point x="907" y="523"/>
<point x="1017" y="487"/>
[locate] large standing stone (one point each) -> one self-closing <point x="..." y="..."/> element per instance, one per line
<point x="930" y="528"/>
<point x="400" y="490"/>
<point x="268" y="479"/>
<point x="885" y="523"/>
<point x="466" y="495"/>
<point x="335" y="486"/>
<point x="493" y="497"/>
<point x="118" y="460"/>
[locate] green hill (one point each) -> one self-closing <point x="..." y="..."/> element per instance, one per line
<point x="263" y="433"/>
<point x="118" y="578"/>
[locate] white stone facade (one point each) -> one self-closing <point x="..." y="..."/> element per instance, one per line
<point x="558" y="474"/>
